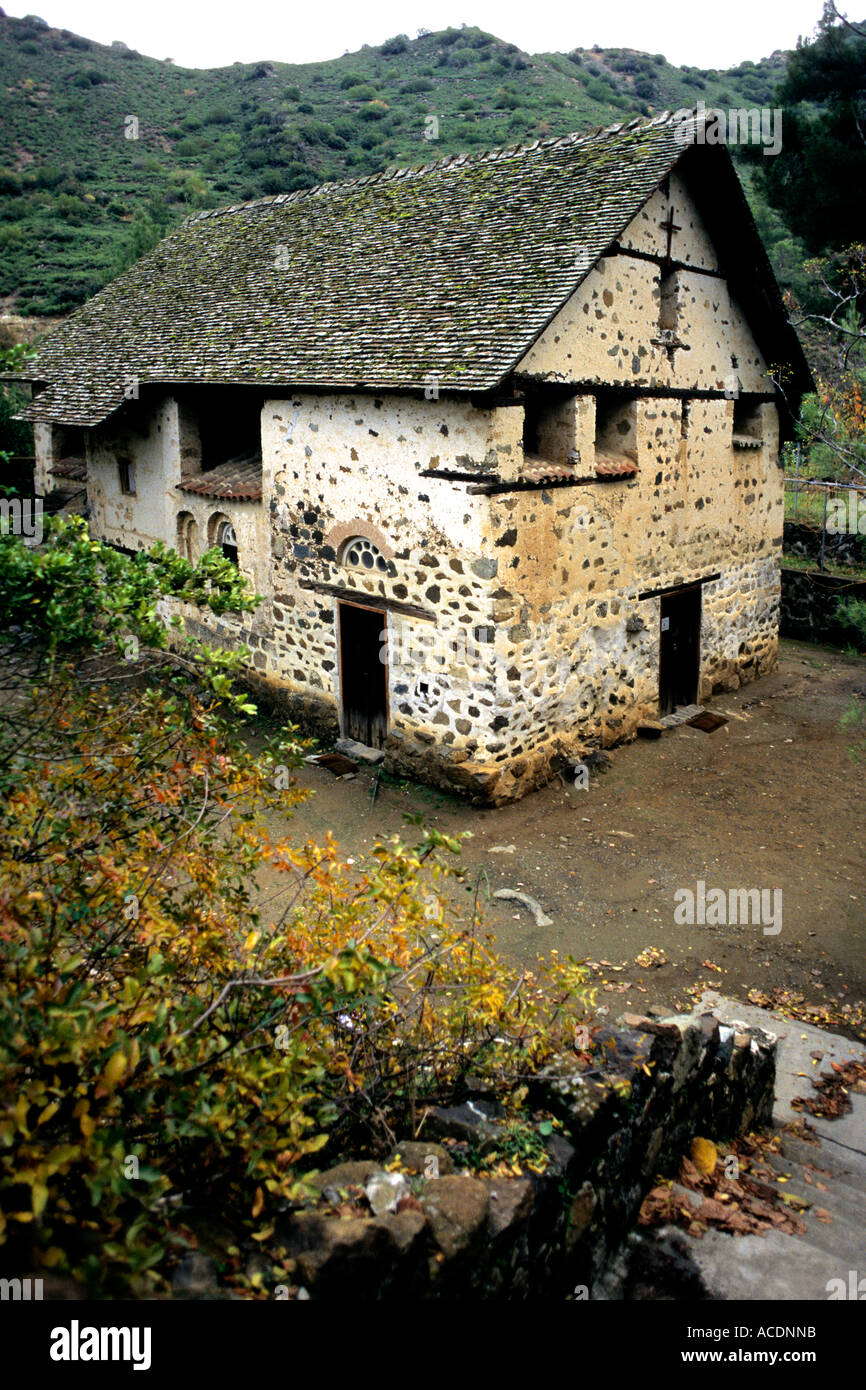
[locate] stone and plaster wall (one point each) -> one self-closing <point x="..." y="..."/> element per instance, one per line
<point x="158" y="440"/>
<point x="44" y="457"/>
<point x="578" y="647"/>
<point x="840" y="547"/>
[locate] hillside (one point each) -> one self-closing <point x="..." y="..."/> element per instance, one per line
<point x="79" y="200"/>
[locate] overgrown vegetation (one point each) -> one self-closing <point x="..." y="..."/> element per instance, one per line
<point x="817" y="185"/>
<point x="16" y="436"/>
<point x="192" y="1014"/>
<point x="818" y="180"/>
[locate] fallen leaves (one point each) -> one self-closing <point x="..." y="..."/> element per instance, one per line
<point x="703" y="1196"/>
<point x="832" y="1087"/>
<point x="651" y="958"/>
<point x="793" y="1005"/>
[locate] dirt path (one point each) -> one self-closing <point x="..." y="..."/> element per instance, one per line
<point x="772" y="800"/>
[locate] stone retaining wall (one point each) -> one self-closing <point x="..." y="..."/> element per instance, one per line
<point x="809" y="607"/>
<point x="841" y="548"/>
<point x="415" y="1227"/>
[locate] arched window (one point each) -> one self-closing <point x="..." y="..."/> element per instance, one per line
<point x="361" y="554"/>
<point x="227" y="541"/>
<point x="187" y="537"/>
<point x="221" y="532"/>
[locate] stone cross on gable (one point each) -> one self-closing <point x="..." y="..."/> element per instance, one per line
<point x="670" y="226"/>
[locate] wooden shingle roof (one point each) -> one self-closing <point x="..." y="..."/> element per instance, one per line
<point x="444" y="273"/>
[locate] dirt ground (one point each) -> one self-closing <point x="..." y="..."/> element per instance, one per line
<point x="771" y="800"/>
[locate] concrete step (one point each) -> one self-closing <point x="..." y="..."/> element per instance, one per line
<point x="839" y="1193"/>
<point x="775" y="1267"/>
<point x="844" y="1165"/>
<point x="681" y="715"/>
<point x="668" y="1264"/>
<point x="795" y="1066"/>
<point x="350" y="748"/>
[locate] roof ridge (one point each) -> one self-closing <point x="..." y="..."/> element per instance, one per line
<point x="399" y="171"/>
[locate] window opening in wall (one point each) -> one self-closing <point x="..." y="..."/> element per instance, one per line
<point x="229" y="426"/>
<point x="227" y="541"/>
<point x="615" y="436"/>
<point x="748" y="424"/>
<point x="69" y="442"/>
<point x="361" y="554"/>
<point x="669" y="304"/>
<point x="532" y="411"/>
<point x="126" y="474"/>
<point x="549" y="425"/>
<point x="187" y="537"/>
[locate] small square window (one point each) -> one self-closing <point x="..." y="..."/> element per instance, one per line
<point x="616" y="426"/>
<point x="69" y="443"/>
<point x="126" y="473"/>
<point x="615" y="435"/>
<point x="549" y="426"/>
<point x="748" y="430"/>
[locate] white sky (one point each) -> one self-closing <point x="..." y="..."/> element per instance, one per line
<point x="219" y="32"/>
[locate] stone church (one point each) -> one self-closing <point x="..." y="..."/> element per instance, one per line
<point x="496" y="439"/>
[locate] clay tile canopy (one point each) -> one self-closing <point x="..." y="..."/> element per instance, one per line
<point x="447" y="272"/>
<point x="238" y="479"/>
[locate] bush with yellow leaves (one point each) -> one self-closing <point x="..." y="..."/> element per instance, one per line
<point x="168" y="1045"/>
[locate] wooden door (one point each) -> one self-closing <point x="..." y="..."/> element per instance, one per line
<point x="363" y="674"/>
<point x="679" y="648"/>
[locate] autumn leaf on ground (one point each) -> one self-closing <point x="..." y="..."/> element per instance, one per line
<point x="747" y="1205"/>
<point x="792" y="1005"/>
<point x="651" y="957"/>
<point x="704" y="1156"/>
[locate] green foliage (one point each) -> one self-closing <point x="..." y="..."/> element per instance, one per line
<point x="832" y="424"/>
<point x="41" y="597"/>
<point x="854" y="718"/>
<point x="144" y="233"/>
<point x="394" y="46"/>
<point x="16" y="436"/>
<point x="818" y="181"/>
<point x="853" y="611"/>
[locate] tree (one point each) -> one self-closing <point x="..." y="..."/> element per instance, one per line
<point x="818" y="180"/>
<point x="832" y="422"/>
<point x="16" y="436"/>
<point x="146" y="231"/>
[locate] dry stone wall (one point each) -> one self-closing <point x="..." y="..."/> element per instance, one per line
<point x="416" y="1225"/>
